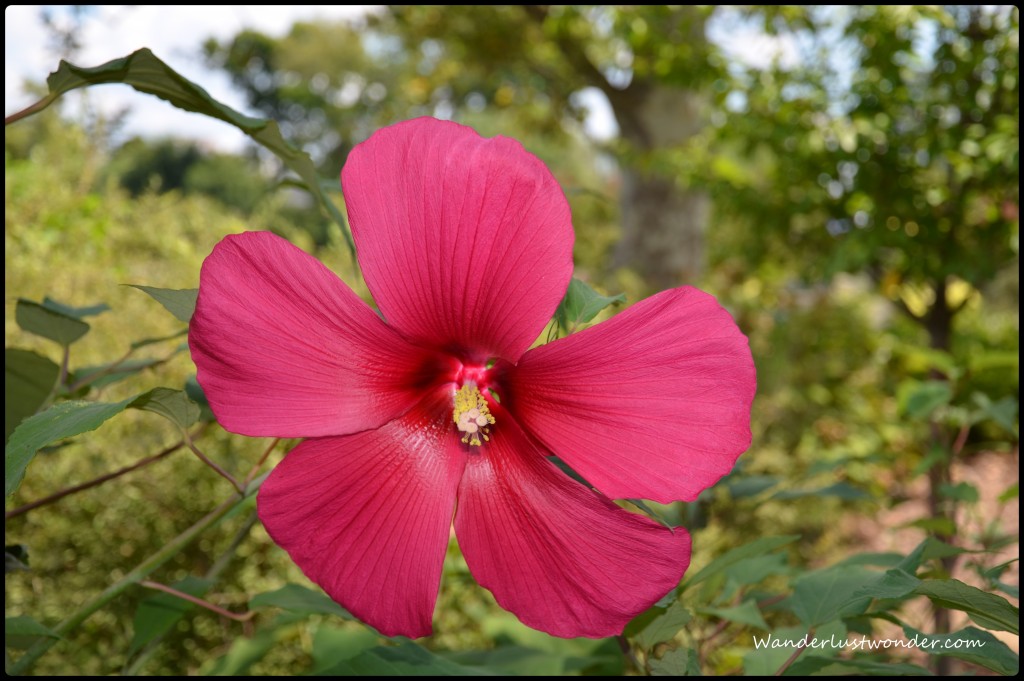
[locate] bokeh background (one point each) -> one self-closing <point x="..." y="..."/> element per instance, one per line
<point x="844" y="179"/>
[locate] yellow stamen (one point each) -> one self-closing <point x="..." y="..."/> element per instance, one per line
<point x="472" y="415"/>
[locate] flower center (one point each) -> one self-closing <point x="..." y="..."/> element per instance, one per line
<point x="472" y="416"/>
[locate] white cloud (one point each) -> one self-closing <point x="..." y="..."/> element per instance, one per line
<point x="174" y="33"/>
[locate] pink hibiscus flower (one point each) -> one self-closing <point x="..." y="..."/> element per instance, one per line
<point x="442" y="415"/>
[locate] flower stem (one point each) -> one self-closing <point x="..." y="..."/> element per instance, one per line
<point x="238" y="617"/>
<point x="240" y="488"/>
<point x="60" y="494"/>
<point x="263" y="457"/>
<point x="142" y="571"/>
<point x="212" y="575"/>
<point x="28" y="111"/>
<point x="796" y="653"/>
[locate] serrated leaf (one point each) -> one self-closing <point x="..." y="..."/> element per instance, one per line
<point x="746" y="613"/>
<point x="581" y="304"/>
<point x="825" y="595"/>
<point x="678" y="662"/>
<point x="28" y="380"/>
<point x="22" y="632"/>
<point x="299" y="599"/>
<point x="157" y="614"/>
<point x="755" y="548"/>
<point x="145" y="72"/>
<point x="60" y="421"/>
<point x="76" y="312"/>
<point x="179" y="302"/>
<point x="173" y="405"/>
<point x="985" y="609"/>
<point x="43" y="321"/>
<point x="970" y="645"/>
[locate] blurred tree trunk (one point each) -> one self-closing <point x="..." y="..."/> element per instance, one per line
<point x="663" y="222"/>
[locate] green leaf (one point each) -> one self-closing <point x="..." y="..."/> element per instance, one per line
<point x="28" y="380"/>
<point x="842" y="490"/>
<point x="1003" y="412"/>
<point x="299" y="599"/>
<point x="746" y="613"/>
<point x="23" y="632"/>
<point x="245" y="652"/>
<point x="743" y="486"/>
<point x="581" y="304"/>
<point x="157" y="614"/>
<point x="919" y="399"/>
<point x="887" y="559"/>
<point x="894" y="583"/>
<point x="928" y="549"/>
<point x="658" y="624"/>
<point x="770" y="651"/>
<point x="145" y="72"/>
<point x="15" y="558"/>
<point x="985" y="609"/>
<point x="750" y="571"/>
<point x="514" y="660"/>
<point x="678" y="662"/>
<point x="60" y="421"/>
<point x="173" y="405"/>
<point x="649" y="512"/>
<point x="67" y="419"/>
<point x="825" y="595"/>
<point x="814" y="665"/>
<point x="179" y="302"/>
<point x="970" y="645"/>
<point x="962" y="491"/>
<point x="755" y="548"/>
<point x="333" y="645"/>
<point x="108" y="374"/>
<point x="48" y="323"/>
<point x="405" y="659"/>
<point x="76" y="312"/>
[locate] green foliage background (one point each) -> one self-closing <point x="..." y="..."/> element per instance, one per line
<point x="858" y="397"/>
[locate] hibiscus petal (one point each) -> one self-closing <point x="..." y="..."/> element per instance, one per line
<point x="465" y="242"/>
<point x="561" y="557"/>
<point x="653" y="403"/>
<point x="284" y="348"/>
<point x="368" y="516"/>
